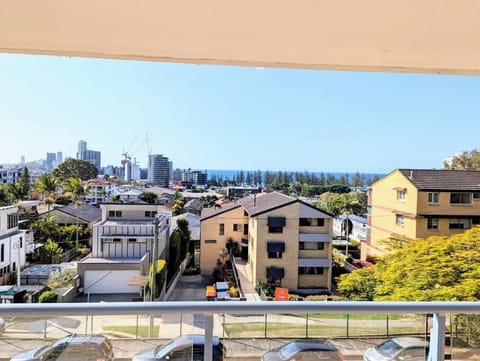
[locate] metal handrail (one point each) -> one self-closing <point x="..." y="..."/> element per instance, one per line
<point x="236" y="307"/>
<point x="438" y="309"/>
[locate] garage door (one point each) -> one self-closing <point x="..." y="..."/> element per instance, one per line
<point x="110" y="282"/>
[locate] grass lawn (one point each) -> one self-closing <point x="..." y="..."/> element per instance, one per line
<point x="299" y="330"/>
<point x="355" y="316"/>
<point x="132" y="330"/>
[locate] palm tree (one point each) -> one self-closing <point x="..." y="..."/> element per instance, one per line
<point x="48" y="185"/>
<point x="74" y="189"/>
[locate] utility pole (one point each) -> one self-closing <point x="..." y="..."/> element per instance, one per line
<point x="154" y="257"/>
<point x="347" y="229"/>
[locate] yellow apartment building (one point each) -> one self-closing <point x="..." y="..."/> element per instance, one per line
<point x="418" y="203"/>
<point x="285" y="240"/>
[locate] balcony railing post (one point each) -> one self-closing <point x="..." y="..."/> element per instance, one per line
<point x="437" y="338"/>
<point x="207" y="355"/>
<point x="388" y="326"/>
<point x="306" y="326"/>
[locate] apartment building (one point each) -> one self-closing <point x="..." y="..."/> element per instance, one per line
<point x="122" y="247"/>
<point x="13" y="244"/>
<point x="286" y="242"/>
<point x="418" y="203"/>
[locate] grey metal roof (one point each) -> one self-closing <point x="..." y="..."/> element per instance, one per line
<point x="86" y="212"/>
<point x="443" y="180"/>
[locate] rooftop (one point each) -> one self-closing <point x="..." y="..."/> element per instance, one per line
<point x="446" y="180"/>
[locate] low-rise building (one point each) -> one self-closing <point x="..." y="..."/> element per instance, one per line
<point x="13" y="244"/>
<point x="286" y="242"/>
<point x="122" y="247"/>
<point x="418" y="203"/>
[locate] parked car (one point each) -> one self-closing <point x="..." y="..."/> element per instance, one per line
<point x="304" y="350"/>
<point x="71" y="348"/>
<point x="400" y="348"/>
<point x="182" y="348"/>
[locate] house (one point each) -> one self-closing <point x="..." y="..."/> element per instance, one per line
<point x="13" y="244"/>
<point x="286" y="242"/>
<point x="122" y="247"/>
<point x="67" y="215"/>
<point x="99" y="190"/>
<point x="193" y="206"/>
<point x="418" y="203"/>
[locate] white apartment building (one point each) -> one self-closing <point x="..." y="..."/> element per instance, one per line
<point x="122" y="247"/>
<point x="13" y="243"/>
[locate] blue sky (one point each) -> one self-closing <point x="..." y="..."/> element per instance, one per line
<point x="219" y="117"/>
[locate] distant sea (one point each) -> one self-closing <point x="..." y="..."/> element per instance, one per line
<point x="231" y="174"/>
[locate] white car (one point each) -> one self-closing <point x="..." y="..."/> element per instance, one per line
<point x="400" y="348"/>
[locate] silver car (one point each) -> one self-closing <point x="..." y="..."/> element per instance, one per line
<point x="304" y="350"/>
<point x="400" y="348"/>
<point x="182" y="348"/>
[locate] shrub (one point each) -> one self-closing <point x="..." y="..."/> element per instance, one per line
<point x="48" y="297"/>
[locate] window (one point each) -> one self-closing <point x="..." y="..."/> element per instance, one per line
<point x="400" y="195"/>
<point x="108" y="240"/>
<point x="311" y="222"/>
<point x="132" y="240"/>
<point x="400" y="220"/>
<point x="14" y="266"/>
<point x="311" y="245"/>
<point x="275" y="254"/>
<point x="459" y="223"/>
<point x="476" y="195"/>
<point x="115" y="214"/>
<point x="210" y="241"/>
<point x="149" y="214"/>
<point x="2" y="253"/>
<point x="117" y="240"/>
<point x="460" y="198"/>
<point x="433" y="197"/>
<point x="12" y="221"/>
<point x="310" y="270"/>
<point x="238" y="227"/>
<point x="275" y="229"/>
<point x="221" y="229"/>
<point x="432" y="223"/>
<point x="275" y="249"/>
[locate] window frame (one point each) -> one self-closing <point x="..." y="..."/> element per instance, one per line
<point x="399" y="219"/>
<point x="433" y="198"/>
<point x="461" y="200"/>
<point x="401" y="195"/>
<point x="432" y="223"/>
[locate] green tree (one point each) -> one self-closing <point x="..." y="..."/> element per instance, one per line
<point x="48" y="185"/>
<point x="466" y="160"/>
<point x="18" y="191"/>
<point x="74" y="189"/>
<point x="178" y="203"/>
<point x="25" y="182"/>
<point x="53" y="252"/>
<point x="5" y="196"/>
<point x="174" y="258"/>
<point x="184" y="231"/>
<point x="75" y="168"/>
<point x="148" y="197"/>
<point x="432" y="269"/>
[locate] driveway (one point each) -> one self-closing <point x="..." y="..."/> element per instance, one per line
<point x="189" y="288"/>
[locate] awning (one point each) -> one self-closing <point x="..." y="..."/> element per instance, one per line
<point x="314" y="237"/>
<point x="276" y="221"/>
<point x="313" y="262"/>
<point x="275" y="246"/>
<point x="275" y="272"/>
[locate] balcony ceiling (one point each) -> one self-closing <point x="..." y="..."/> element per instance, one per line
<point x="431" y="36"/>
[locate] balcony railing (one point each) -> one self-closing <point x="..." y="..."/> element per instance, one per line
<point x="209" y="309"/>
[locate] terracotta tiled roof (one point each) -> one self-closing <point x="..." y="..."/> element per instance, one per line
<point x="213" y="211"/>
<point x="443" y="180"/>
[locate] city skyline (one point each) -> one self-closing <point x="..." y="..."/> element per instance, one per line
<point x="224" y="117"/>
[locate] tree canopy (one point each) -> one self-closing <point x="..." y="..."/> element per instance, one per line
<point x="433" y="269"/>
<point x="75" y="168"/>
<point x="466" y="160"/>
